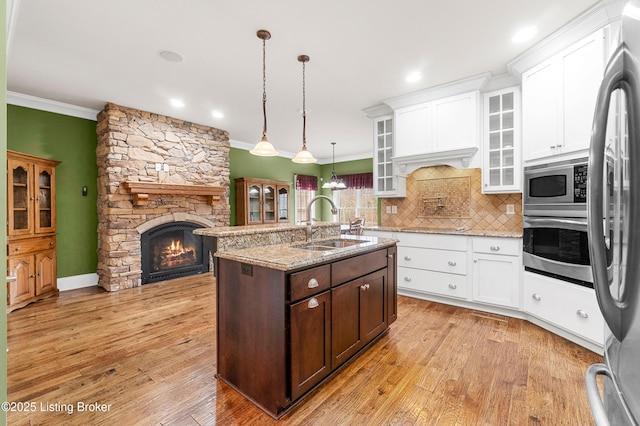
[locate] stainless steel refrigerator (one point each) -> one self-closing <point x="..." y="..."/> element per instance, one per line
<point x="614" y="228"/>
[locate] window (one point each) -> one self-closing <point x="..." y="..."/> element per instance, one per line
<point x="358" y="199"/>
<point x="306" y="187"/>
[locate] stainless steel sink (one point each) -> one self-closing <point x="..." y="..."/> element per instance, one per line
<point x="329" y="244"/>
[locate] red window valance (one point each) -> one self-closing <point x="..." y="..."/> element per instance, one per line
<point x="307" y="183"/>
<point x="358" y="180"/>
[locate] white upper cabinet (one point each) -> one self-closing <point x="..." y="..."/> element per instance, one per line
<point x="446" y="124"/>
<point x="455" y="122"/>
<point x="413" y="130"/>
<point x="558" y="99"/>
<point x="386" y="183"/>
<point x="501" y="162"/>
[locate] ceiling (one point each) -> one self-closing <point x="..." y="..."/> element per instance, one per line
<point x="87" y="53"/>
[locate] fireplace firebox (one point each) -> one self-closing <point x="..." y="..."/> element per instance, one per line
<point x="171" y="250"/>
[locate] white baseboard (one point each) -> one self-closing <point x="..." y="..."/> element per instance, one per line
<point x="77" y="281"/>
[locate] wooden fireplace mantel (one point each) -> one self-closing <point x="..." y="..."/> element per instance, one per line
<point x="141" y="191"/>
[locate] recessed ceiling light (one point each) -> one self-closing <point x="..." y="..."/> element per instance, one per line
<point x="177" y="103"/>
<point x="525" y="34"/>
<point x="217" y="114"/>
<point x="170" y="56"/>
<point x="413" y="77"/>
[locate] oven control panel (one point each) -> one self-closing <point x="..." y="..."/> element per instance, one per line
<point x="580" y="183"/>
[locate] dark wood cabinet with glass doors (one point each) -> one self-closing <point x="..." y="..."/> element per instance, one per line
<point x="261" y="201"/>
<point x="31" y="229"/>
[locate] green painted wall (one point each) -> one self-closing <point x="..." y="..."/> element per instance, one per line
<point x="72" y="141"/>
<point x="243" y="164"/>
<point x="3" y="204"/>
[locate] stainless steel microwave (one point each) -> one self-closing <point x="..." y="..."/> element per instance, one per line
<point x="556" y="189"/>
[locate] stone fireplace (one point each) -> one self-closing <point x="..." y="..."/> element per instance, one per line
<point x="134" y="197"/>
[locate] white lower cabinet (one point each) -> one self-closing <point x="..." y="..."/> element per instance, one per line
<point x="433" y="263"/>
<point x="568" y="306"/>
<point x="496" y="271"/>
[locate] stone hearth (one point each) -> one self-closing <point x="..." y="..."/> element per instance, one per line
<point x="130" y="144"/>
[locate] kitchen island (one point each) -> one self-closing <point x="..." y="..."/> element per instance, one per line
<point x="291" y="314"/>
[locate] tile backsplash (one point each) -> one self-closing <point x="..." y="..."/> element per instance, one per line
<point x="443" y="197"/>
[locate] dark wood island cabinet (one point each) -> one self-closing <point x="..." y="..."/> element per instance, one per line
<point x="283" y="332"/>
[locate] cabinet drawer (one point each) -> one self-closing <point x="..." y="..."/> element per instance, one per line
<point x="30" y="245"/>
<point x="309" y="282"/>
<point x="508" y="246"/>
<point x="354" y="267"/>
<point x="568" y="306"/>
<point x="453" y="262"/>
<point x="449" y="285"/>
<point x="435" y="241"/>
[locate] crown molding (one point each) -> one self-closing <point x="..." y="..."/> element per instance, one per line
<point x="28" y="101"/>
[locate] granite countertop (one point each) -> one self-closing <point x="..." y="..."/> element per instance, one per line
<point x="287" y="257"/>
<point x="467" y="232"/>
<point x="229" y="231"/>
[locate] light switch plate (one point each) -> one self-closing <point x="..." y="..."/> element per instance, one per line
<point x="511" y="209"/>
<point x="165" y="167"/>
<point x="158" y="167"/>
<point x="388" y="209"/>
<point x="394" y="209"/>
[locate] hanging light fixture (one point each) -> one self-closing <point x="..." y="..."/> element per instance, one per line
<point x="304" y="156"/>
<point x="334" y="183"/>
<point x="264" y="148"/>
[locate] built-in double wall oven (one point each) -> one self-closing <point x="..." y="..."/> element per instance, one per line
<point x="555" y="221"/>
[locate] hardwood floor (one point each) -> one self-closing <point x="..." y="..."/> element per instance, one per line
<point x="148" y="354"/>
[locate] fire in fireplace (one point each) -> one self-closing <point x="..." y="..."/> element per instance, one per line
<point x="171" y="250"/>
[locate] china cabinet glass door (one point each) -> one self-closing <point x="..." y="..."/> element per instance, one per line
<point x="384" y="151"/>
<point x="255" y="198"/>
<point x="44" y="202"/>
<point x="283" y="204"/>
<point x="269" y="203"/>
<point x="19" y="199"/>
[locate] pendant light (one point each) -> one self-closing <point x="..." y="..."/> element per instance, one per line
<point x="264" y="148"/>
<point x="334" y="183"/>
<point x="304" y="156"/>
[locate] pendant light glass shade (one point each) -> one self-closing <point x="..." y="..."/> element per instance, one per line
<point x="304" y="156"/>
<point x="264" y="148"/>
<point x="334" y="183"/>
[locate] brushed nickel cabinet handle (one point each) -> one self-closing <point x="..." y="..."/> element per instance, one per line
<point x="313" y="303"/>
<point x="452" y="286"/>
<point x="390" y="256"/>
<point x="536" y="297"/>
<point x="582" y="314"/>
<point x="452" y="263"/>
<point x="364" y="287"/>
<point x="407" y="258"/>
<point x="494" y="248"/>
<point x="313" y="283"/>
<point x="407" y="279"/>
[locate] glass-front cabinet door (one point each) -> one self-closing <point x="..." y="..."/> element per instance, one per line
<point x="20" y="198"/>
<point x="44" y="202"/>
<point x="383" y="152"/>
<point x="283" y="204"/>
<point x="254" y="202"/>
<point x="501" y="162"/>
<point x="269" y="203"/>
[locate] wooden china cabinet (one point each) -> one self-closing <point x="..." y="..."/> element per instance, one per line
<point x="31" y="229"/>
<point x="261" y="201"/>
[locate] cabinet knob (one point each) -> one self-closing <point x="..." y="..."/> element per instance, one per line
<point x="17" y="248"/>
<point x="494" y="248"/>
<point x="536" y="297"/>
<point x="32" y="276"/>
<point x="582" y="314"/>
<point x="313" y="283"/>
<point x="407" y="258"/>
<point x="364" y="287"/>
<point x="50" y="243"/>
<point x="452" y="263"/>
<point x="313" y="303"/>
<point x="452" y="286"/>
<point x="552" y="147"/>
<point x="407" y="279"/>
<point x="390" y="256"/>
